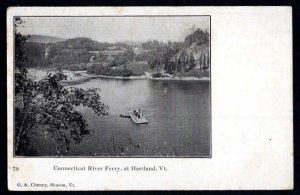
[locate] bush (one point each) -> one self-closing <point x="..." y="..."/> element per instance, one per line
<point x="121" y="60"/>
<point x="90" y="69"/>
<point x="107" y="71"/>
<point x="156" y="75"/>
<point x="101" y="70"/>
<point x="196" y="73"/>
<point x="127" y="73"/>
<point x="122" y="73"/>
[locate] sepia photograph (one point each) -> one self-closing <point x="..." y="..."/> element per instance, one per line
<point x="112" y="86"/>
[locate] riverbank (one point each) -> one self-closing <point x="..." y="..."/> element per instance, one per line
<point x="112" y="77"/>
<point x="146" y="76"/>
<point x="183" y="78"/>
<point x="76" y="77"/>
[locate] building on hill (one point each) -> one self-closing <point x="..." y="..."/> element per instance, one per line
<point x="113" y="50"/>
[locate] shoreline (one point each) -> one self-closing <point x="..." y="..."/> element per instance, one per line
<point x="144" y="77"/>
<point x="76" y="77"/>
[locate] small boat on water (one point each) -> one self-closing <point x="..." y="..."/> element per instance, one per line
<point x="125" y="115"/>
<point x="137" y="117"/>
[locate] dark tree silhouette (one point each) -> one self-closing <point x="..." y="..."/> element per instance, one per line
<point x="46" y="103"/>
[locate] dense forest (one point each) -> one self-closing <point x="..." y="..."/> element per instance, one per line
<point x="76" y="54"/>
<point x="64" y="53"/>
<point x="198" y="37"/>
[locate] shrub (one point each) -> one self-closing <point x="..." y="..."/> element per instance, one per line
<point x="91" y="69"/>
<point x="156" y="75"/>
<point x="122" y="73"/>
<point x="196" y="73"/>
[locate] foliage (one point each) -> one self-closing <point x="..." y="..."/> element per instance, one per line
<point x="199" y="37"/>
<point x="170" y="67"/>
<point x="68" y="57"/>
<point x="195" y="73"/>
<point x="146" y="56"/>
<point x="73" y="67"/>
<point x="108" y="71"/>
<point x="121" y="73"/>
<point x="82" y="43"/>
<point x="120" y="60"/>
<point x="173" y="57"/>
<point x="158" y="75"/>
<point x="163" y="54"/>
<point x="71" y="51"/>
<point x="47" y="103"/>
<point x="137" y="68"/>
<point x="35" y="53"/>
<point x="98" y="69"/>
<point x="123" y="58"/>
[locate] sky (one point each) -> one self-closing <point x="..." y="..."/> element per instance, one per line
<point x="114" y="29"/>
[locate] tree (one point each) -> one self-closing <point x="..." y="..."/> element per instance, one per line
<point x="47" y="103"/>
<point x="192" y="62"/>
<point x="170" y="67"/>
<point x="129" y="55"/>
<point x="204" y="61"/>
<point x="199" y="37"/>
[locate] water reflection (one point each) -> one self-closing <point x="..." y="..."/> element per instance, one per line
<point x="178" y="113"/>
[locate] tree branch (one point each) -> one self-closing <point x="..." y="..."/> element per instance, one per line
<point x="55" y="118"/>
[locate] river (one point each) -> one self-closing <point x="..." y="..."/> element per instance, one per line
<point x="178" y="113"/>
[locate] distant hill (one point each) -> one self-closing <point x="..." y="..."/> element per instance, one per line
<point x="43" y="39"/>
<point x="53" y="51"/>
<point x="88" y="44"/>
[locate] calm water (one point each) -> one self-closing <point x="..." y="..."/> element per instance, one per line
<point x="178" y="113"/>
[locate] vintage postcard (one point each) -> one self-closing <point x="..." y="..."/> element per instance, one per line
<point x="149" y="98"/>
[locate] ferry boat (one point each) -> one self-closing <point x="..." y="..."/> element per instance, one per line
<point x="138" y="117"/>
